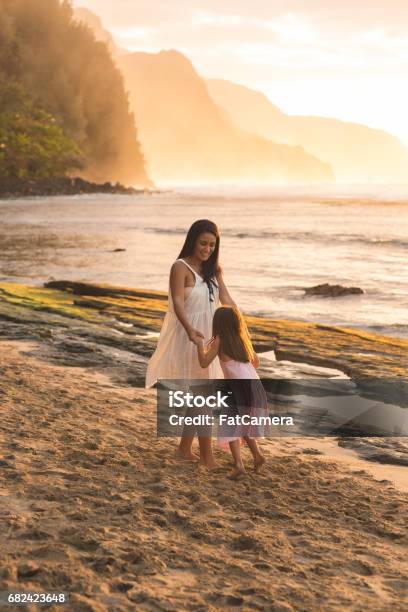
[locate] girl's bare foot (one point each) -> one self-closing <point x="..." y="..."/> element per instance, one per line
<point x="186" y="456"/>
<point x="258" y="464"/>
<point x="238" y="473"/>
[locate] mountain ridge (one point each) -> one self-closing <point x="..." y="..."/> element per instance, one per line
<point x="190" y="138"/>
<point x="354" y="150"/>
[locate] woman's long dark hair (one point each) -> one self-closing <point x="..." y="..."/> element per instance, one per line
<point x="209" y="267"/>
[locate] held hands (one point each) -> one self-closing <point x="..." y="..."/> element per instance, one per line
<point x="199" y="343"/>
<point x="195" y="336"/>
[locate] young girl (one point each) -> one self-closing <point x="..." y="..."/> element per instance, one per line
<point x="231" y="343"/>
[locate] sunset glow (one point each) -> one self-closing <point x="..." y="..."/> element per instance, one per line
<point x="348" y="61"/>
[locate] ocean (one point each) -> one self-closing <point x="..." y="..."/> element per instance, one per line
<point x="274" y="243"/>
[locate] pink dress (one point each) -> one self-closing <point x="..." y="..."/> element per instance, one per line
<point x="250" y="399"/>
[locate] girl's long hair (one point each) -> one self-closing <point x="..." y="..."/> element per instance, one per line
<point x="229" y="325"/>
<point x="209" y="267"/>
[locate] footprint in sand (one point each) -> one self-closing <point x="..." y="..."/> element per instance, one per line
<point x="159" y="488"/>
<point x="94" y="445"/>
<point x="35" y="534"/>
<point x="155" y="510"/>
<point x="50" y="553"/>
<point x="28" y="570"/>
<point x="88" y="545"/>
<point x="401" y="586"/>
<point x="361" y="567"/>
<point x="245" y="542"/>
<point x="149" y="499"/>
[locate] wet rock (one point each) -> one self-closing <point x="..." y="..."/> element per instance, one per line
<point x="18" y="187"/>
<point x="387" y="450"/>
<point x="79" y="288"/>
<point x="326" y="290"/>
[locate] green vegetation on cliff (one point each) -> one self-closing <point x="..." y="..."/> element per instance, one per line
<point x="62" y="103"/>
<point x="32" y="143"/>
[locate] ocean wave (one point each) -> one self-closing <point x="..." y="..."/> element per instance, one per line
<point x="377" y="241"/>
<point x="319" y="194"/>
<point x="296" y="236"/>
<point x="393" y="329"/>
<point x="318" y="237"/>
<point x="163" y="230"/>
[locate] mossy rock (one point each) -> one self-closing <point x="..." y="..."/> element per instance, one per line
<point x="357" y="353"/>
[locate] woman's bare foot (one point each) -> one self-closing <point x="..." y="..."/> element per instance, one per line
<point x="259" y="463"/>
<point x="186" y="456"/>
<point x="184" y="452"/>
<point x="238" y="473"/>
<point x="209" y="464"/>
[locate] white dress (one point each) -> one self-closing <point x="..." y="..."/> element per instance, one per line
<point x="176" y="356"/>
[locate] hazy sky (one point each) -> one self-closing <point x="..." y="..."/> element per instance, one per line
<point x="341" y="58"/>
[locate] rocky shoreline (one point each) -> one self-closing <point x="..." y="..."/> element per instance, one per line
<point x="83" y="322"/>
<point x="114" y="330"/>
<point x="19" y="188"/>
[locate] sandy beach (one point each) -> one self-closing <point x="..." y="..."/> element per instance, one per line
<point x="93" y="504"/>
<point x="203" y="232"/>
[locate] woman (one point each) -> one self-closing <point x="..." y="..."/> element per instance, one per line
<point x="196" y="289"/>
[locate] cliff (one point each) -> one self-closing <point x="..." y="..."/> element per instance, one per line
<point x="63" y="105"/>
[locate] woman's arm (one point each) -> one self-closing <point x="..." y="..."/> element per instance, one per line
<point x="177" y="279"/>
<point x="207" y="355"/>
<point x="225" y="298"/>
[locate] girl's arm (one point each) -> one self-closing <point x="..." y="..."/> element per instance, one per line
<point x="255" y="361"/>
<point x="207" y="354"/>
<point x="225" y="298"/>
<point x="177" y="279"/>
